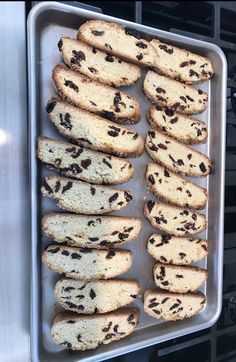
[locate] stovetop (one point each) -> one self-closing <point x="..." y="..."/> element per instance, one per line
<point x="213" y="22"/>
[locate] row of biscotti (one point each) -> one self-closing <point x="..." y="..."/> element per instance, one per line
<point x="108" y="40"/>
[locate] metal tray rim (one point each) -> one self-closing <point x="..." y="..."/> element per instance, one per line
<point x="35" y="11"/>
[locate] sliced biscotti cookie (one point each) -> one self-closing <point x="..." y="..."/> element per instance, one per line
<point x="170" y="249"/>
<point x="99" y="296"/>
<point x="169" y="93"/>
<point x="117" y="40"/>
<point x="89" y="94"/>
<point x="174" y="220"/>
<point x="81" y="163"/>
<point x="176" y="156"/>
<point x="82" y="197"/>
<point x="92" y="131"/>
<point x="81" y="332"/>
<point x="87" y="264"/>
<point x="91" y="231"/>
<point x="172" y="306"/>
<point x="184" y="128"/>
<point x="178" y="279"/>
<point x="181" y="64"/>
<point x="97" y="64"/>
<point x="175" y="189"/>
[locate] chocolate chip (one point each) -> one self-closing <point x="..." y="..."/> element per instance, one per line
<point x="68" y="289"/>
<point x="106" y="329"/>
<point x="152" y="305"/>
<point x="68" y="186"/>
<point x="109" y="58"/>
<point x="57" y="186"/>
<point x="174" y="306"/>
<point x="130" y="318"/>
<point x="204" y="247"/>
<point x="166" y="173"/>
<point x="176" y="105"/>
<point x="134" y="296"/>
<point x="166" y="49"/>
<point x="71" y="322"/>
<point x="179" y="276"/>
<point x="60" y="44"/>
<point x="92" y="70"/>
<point x="169" y="112"/>
<point x="128" y="196"/>
<point x="174" y="120"/>
<point x="172" y="159"/>
<point x="123" y="236"/>
<point x="133" y="33"/>
<point x="78" y="56"/>
<point x="93" y="239"/>
<point x="54" y="251"/>
<point x="110" y="335"/>
<point x="47" y="187"/>
<point x="70" y="84"/>
<point x="161" y="99"/>
<point x="135" y="136"/>
<point x="192" y="73"/>
<point x="180" y="162"/>
<point x="184" y="64"/>
<point x="188" y="193"/>
<point x="160" y="219"/>
<point x="151" y="179"/>
<point x="93" y="103"/>
<point x="189" y="156"/>
<point x="150" y="204"/>
<point x="67" y="344"/>
<point x="97" y="33"/>
<point x="156" y="311"/>
<point x="141" y="45"/>
<point x="50" y="106"/>
<point x="163" y="147"/>
<point x="66" y="122"/>
<point x="163" y="258"/>
<point x="164" y="300"/>
<point x="94" y="50"/>
<point x="139" y="56"/>
<point x="79" y="338"/>
<point x="153" y="147"/>
<point x="110" y="254"/>
<point x="162" y="271"/>
<point x="179" y="189"/>
<point x="85" y="250"/>
<point x="75" y="256"/>
<point x="65" y="252"/>
<point x="113" y="133"/>
<point x="71" y="305"/>
<point x="182" y="255"/>
<point x="152" y="240"/>
<point x="107" y="114"/>
<point x="202" y="167"/>
<point x="81" y="307"/>
<point x="114" y="197"/>
<point x="86" y="163"/>
<point x="92" y="294"/>
<point x="165" y="283"/>
<point x="108" y="46"/>
<point x="160" y="90"/>
<point x="116" y="101"/>
<point x="165" y="238"/>
<point x="190" y="99"/>
<point x="183" y="99"/>
<point x="200" y="91"/>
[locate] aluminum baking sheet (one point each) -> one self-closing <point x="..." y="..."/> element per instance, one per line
<point x="47" y="22"/>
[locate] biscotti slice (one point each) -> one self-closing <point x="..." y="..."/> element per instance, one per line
<point x="178" y="279"/>
<point x="181" y="64"/>
<point x="169" y="93"/>
<point x="172" y="306"/>
<point x="97" y="64"/>
<point x="82" y="197"/>
<point x="184" y="128"/>
<point x="117" y="40"/>
<point x="174" y="189"/>
<point x="81" y="332"/>
<point x="99" y="296"/>
<point x="96" y="97"/>
<point x="176" y="156"/>
<point x="91" y="231"/>
<point x="87" y="264"/>
<point x="92" y="131"/>
<point x="81" y="163"/>
<point x="174" y="220"/>
<point x="170" y="249"/>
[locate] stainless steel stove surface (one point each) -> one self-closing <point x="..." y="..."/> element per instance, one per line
<point x="210" y="21"/>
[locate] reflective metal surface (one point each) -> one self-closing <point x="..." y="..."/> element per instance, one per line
<point x="46" y="23"/>
<point x="14" y="188"/>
